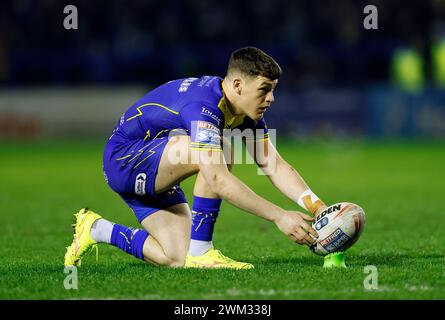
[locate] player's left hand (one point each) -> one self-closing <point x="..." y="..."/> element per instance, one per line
<point x="297" y="226"/>
<point x="310" y="232"/>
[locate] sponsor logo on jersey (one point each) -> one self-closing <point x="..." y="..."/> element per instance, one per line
<point x="208" y="133"/>
<point x="207" y="125"/>
<point x="208" y="113"/>
<point x="139" y="186"/>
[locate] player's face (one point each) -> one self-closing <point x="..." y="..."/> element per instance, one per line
<point x="257" y="96"/>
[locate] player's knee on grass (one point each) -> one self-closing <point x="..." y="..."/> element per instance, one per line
<point x="170" y="235"/>
<point x="170" y="260"/>
<point x="165" y="261"/>
<point x="176" y="253"/>
<point x="178" y="261"/>
<point x="155" y="254"/>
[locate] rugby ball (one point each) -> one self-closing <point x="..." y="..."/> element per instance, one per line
<point x="339" y="226"/>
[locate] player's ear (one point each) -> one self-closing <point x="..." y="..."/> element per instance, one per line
<point x="237" y="85"/>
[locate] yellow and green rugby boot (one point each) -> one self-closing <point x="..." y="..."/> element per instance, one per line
<point x="82" y="240"/>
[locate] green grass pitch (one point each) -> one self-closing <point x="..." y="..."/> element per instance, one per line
<point x="399" y="185"/>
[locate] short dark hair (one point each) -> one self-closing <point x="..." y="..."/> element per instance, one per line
<point x="254" y="62"/>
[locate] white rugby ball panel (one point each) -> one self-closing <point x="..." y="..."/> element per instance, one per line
<point x="339" y="226"/>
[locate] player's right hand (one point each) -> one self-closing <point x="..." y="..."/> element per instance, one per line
<point x="295" y="226"/>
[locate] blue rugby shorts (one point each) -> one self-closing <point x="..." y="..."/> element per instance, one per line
<point x="130" y="169"/>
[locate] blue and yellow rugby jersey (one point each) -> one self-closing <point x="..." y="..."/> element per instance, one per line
<point x="193" y="105"/>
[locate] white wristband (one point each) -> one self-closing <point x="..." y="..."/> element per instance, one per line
<point x="308" y="200"/>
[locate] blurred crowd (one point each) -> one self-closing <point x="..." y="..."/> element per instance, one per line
<point x="318" y="43"/>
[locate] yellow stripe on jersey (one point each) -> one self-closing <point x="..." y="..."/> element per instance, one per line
<point x="160" y="132"/>
<point x="152" y="152"/>
<point x="124" y="157"/>
<point x="140" y="113"/>
<point x="147" y="135"/>
<point x="202" y="144"/>
<point x="262" y="140"/>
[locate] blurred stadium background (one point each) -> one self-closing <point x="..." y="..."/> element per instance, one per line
<point x="360" y="113"/>
<point x="339" y="79"/>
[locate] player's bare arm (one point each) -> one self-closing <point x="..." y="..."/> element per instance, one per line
<point x="285" y="177"/>
<point x="292" y="223"/>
